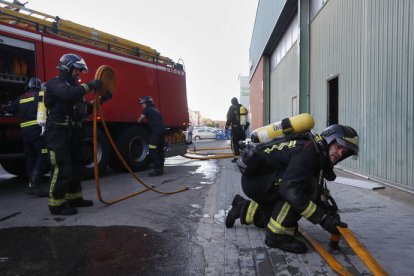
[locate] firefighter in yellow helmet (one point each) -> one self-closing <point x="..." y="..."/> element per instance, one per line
<point x="285" y="181"/>
<point x="237" y="120"/>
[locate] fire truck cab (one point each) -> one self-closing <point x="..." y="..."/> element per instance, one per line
<point x="31" y="44"/>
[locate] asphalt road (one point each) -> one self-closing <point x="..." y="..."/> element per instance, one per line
<point x="148" y="234"/>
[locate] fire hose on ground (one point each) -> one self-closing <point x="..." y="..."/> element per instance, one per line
<point x="194" y="154"/>
<point x="354" y="244"/>
<point x="107" y="76"/>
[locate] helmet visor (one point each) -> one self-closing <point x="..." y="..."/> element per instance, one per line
<point x="81" y="64"/>
<point x="350" y="143"/>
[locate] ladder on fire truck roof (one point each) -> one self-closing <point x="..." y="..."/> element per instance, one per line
<point x="16" y="13"/>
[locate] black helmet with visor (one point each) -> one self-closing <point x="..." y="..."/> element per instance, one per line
<point x="346" y="136"/>
<point x="34" y="83"/>
<point x="146" y="100"/>
<point x="69" y="61"/>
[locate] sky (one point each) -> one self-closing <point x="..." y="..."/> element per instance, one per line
<point x="211" y="37"/>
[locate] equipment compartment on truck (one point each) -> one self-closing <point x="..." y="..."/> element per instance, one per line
<point x="17" y="65"/>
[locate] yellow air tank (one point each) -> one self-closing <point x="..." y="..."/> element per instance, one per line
<point x="41" y="111"/>
<point x="243" y="115"/>
<point x="296" y="124"/>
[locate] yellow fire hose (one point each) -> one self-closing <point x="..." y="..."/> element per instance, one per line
<point x="192" y="154"/>
<point x="96" y="107"/>
<point x="355" y="245"/>
<point x="362" y="252"/>
<point x="331" y="261"/>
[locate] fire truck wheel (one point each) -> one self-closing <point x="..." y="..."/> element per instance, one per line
<point x="132" y="144"/>
<point x="104" y="152"/>
<point x="15" y="166"/>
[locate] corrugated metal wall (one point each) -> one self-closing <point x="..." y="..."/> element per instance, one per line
<point x="370" y="46"/>
<point x="268" y="11"/>
<point x="284" y="86"/>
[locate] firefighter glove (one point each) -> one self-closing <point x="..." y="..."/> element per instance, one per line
<point x="105" y="97"/>
<point x="329" y="223"/>
<point x="94" y="84"/>
<point x="246" y="127"/>
<point x="328" y="208"/>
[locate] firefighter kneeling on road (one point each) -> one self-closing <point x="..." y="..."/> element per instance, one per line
<point x="66" y="112"/>
<point x="285" y="182"/>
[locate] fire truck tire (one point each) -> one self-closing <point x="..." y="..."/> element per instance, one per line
<point x="104" y="152"/>
<point x="15" y="166"/>
<point x="132" y="144"/>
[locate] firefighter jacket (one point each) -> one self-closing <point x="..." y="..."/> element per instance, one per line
<point x="66" y="110"/>
<point x="25" y="107"/>
<point x="297" y="163"/>
<point x="65" y="101"/>
<point x="154" y="118"/>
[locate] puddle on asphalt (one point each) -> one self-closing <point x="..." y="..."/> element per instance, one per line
<point x="208" y="168"/>
<point x="88" y="250"/>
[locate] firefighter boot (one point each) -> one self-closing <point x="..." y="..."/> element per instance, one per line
<point x="156" y="172"/>
<point x="63" y="210"/>
<point x="80" y="202"/>
<point x="285" y="242"/>
<point x="235" y="211"/>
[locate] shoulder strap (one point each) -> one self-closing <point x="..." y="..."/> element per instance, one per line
<point x="289" y="137"/>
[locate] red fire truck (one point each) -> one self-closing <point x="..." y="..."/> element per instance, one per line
<point x="31" y="44"/>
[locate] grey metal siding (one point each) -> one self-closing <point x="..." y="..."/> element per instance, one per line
<point x="284" y="85"/>
<point x="268" y="12"/>
<point x="370" y="46"/>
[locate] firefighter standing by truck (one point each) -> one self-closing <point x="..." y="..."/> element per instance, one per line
<point x="33" y="142"/>
<point x="66" y="112"/>
<point x="157" y="138"/>
<point x="285" y="182"/>
<point x="237" y="120"/>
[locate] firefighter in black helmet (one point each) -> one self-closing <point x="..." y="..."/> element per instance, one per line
<point x="292" y="186"/>
<point x="33" y="143"/>
<point x="237" y="120"/>
<point x="156" y="139"/>
<point x="66" y="112"/>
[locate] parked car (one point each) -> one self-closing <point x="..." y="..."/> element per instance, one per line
<point x="204" y="133"/>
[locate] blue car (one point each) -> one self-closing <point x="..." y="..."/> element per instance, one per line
<point x="222" y="135"/>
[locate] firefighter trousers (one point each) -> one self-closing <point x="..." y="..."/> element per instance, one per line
<point x="237" y="135"/>
<point x="36" y="154"/>
<point x="156" y="149"/>
<point x="268" y="209"/>
<point x="67" y="166"/>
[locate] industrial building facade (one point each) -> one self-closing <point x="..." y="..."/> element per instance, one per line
<point x="343" y="61"/>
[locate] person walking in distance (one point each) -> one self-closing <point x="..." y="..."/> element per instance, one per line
<point x="156" y="140"/>
<point x="237" y="120"/>
<point x="190" y="134"/>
